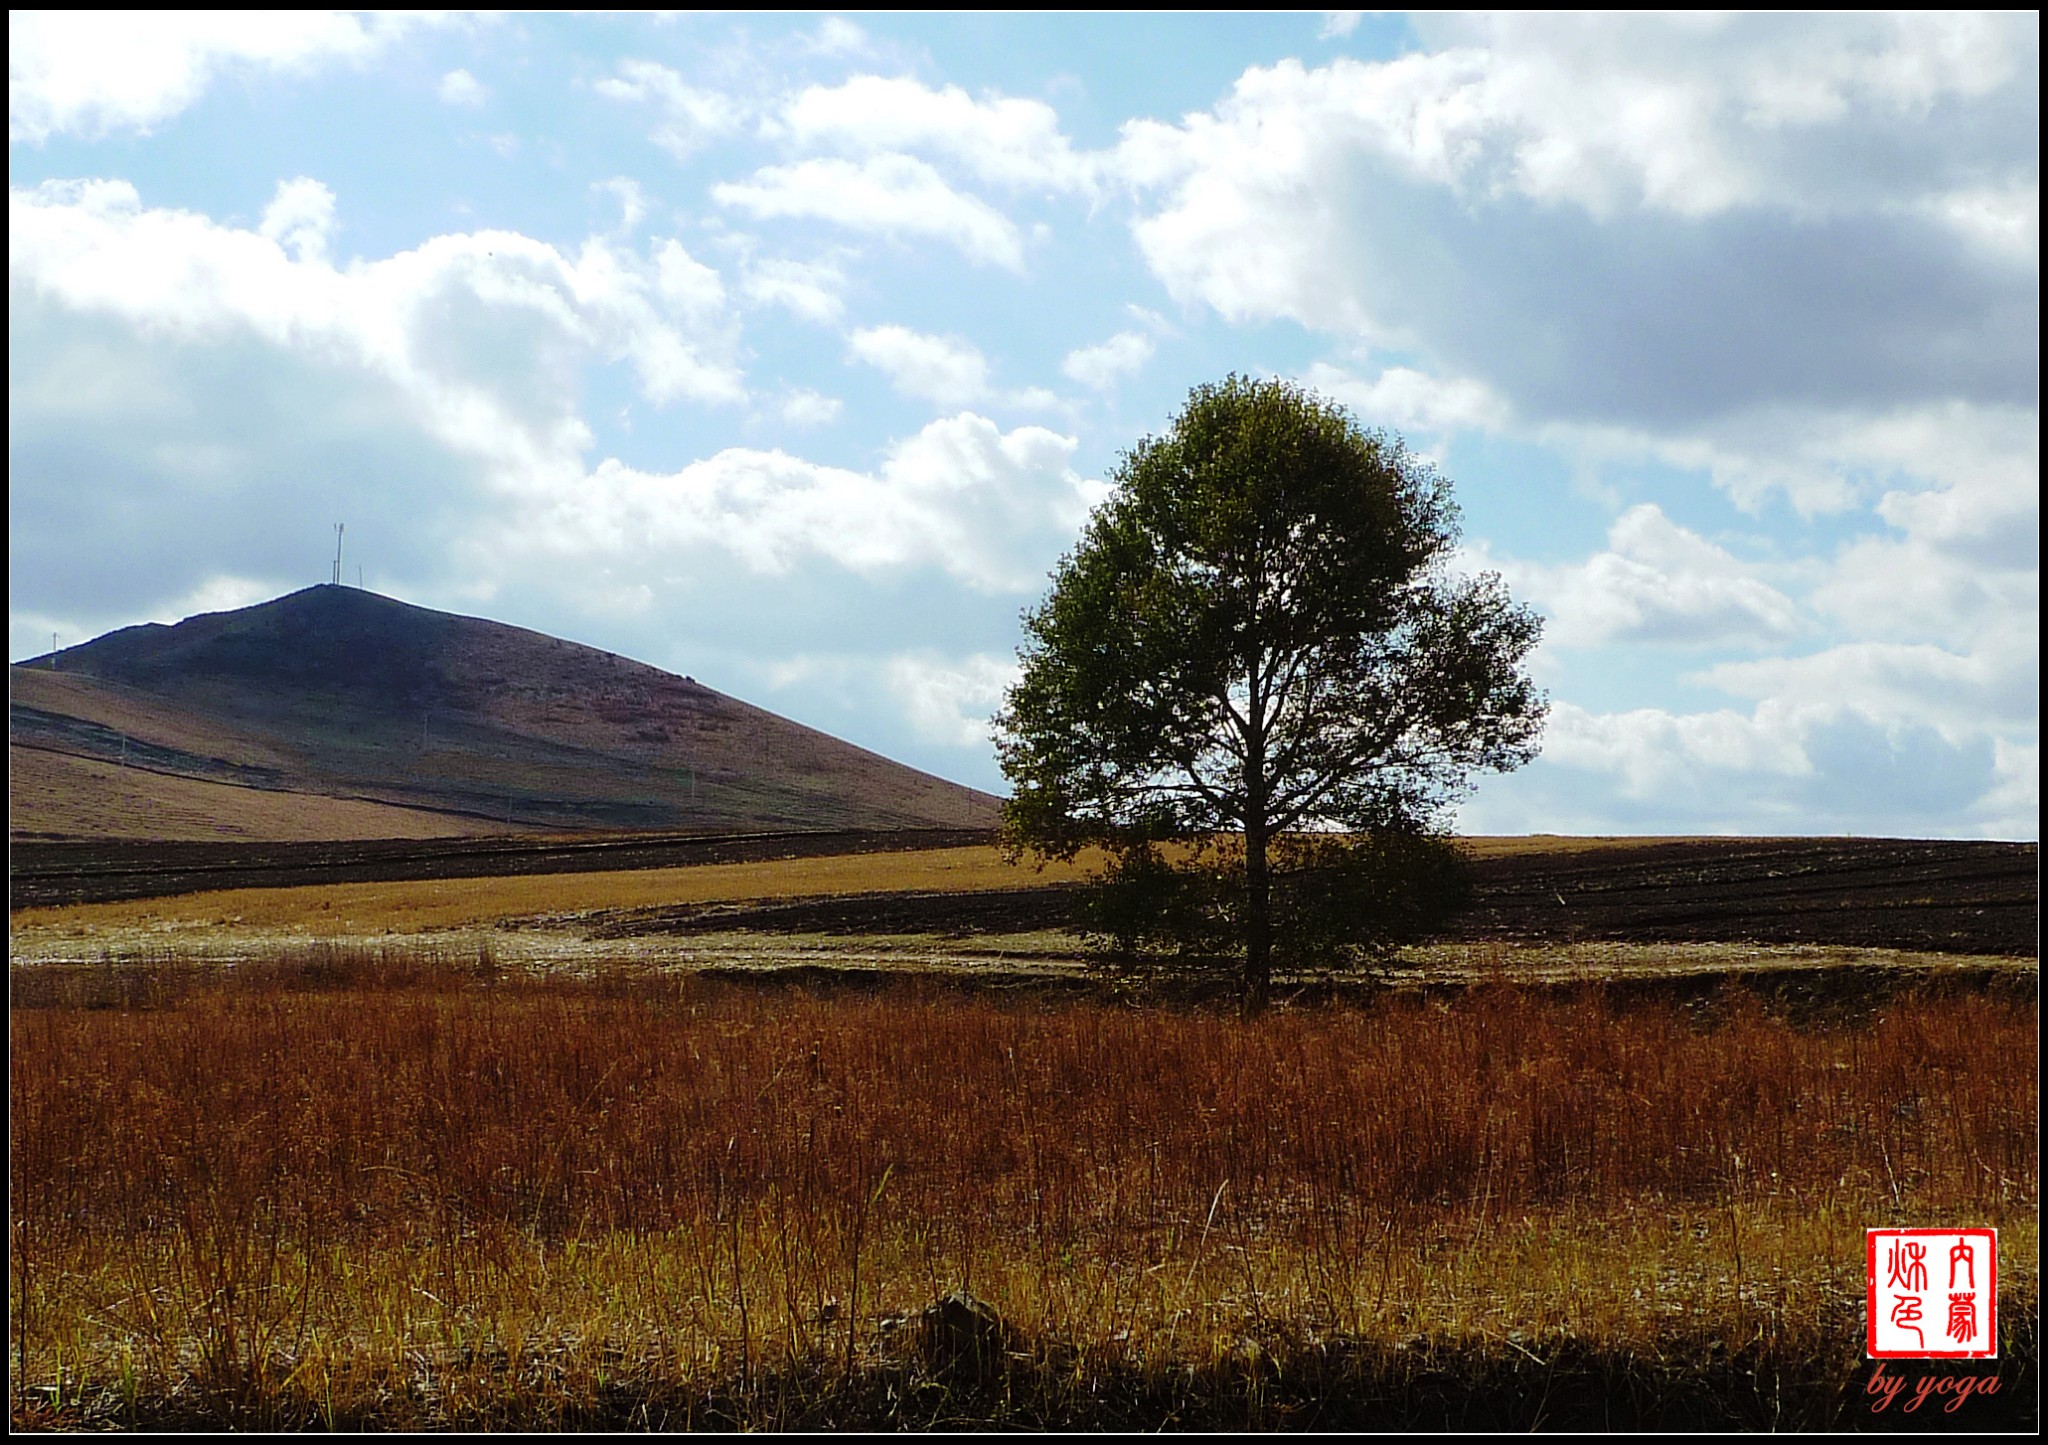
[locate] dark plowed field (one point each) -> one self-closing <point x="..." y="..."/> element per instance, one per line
<point x="1951" y="897"/>
<point x="1934" y="896"/>
<point x="42" y="874"/>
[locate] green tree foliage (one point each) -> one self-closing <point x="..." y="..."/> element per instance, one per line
<point x="1256" y="682"/>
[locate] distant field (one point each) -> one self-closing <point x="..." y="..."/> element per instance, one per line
<point x="1953" y="897"/>
<point x="59" y="794"/>
<point x="476" y="902"/>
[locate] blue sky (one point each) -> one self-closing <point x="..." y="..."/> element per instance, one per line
<point x="790" y="351"/>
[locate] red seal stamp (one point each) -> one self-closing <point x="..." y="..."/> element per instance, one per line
<point x="1933" y="1294"/>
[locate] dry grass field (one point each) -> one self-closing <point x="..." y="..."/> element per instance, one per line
<point x="362" y="1187"/>
<point x="57" y="794"/>
<point x="476" y="1152"/>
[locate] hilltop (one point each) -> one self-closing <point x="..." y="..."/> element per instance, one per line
<point x="336" y="713"/>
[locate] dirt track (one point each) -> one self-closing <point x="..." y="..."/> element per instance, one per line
<point x="1937" y="896"/>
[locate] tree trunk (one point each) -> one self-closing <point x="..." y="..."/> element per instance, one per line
<point x="1258" y="913"/>
<point x="1258" y="928"/>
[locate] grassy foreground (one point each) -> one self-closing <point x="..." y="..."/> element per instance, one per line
<point x="352" y="1187"/>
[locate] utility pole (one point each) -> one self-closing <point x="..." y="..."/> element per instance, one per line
<point x="53" y="652"/>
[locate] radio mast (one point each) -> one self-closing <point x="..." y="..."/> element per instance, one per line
<point x="338" y="526"/>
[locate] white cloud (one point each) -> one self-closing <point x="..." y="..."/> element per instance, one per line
<point x="73" y="72"/>
<point x="985" y="506"/>
<point x="888" y="195"/>
<point x="810" y="289"/>
<point x="1892" y="685"/>
<point x="482" y="332"/>
<point x="946" y="699"/>
<point x="1100" y="366"/>
<point x="691" y="115"/>
<point x="950" y="700"/>
<point x="2011" y="807"/>
<point x="836" y="35"/>
<point x="299" y="218"/>
<point x="632" y="199"/>
<point x="219" y="593"/>
<point x="1657" y="582"/>
<point x="943" y="369"/>
<point x="1002" y="139"/>
<point x="2005" y="219"/>
<point x="1631" y="222"/>
<point x="459" y="87"/>
<point x="1782" y="768"/>
<point x="1651" y="750"/>
<point x="1339" y="23"/>
<point x="806" y="408"/>
<point x="1406" y="400"/>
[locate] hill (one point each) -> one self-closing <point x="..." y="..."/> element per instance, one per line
<point x="336" y="713"/>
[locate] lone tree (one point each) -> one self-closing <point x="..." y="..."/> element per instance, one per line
<point x="1257" y="655"/>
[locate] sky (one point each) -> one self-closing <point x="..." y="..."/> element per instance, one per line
<point x="791" y="351"/>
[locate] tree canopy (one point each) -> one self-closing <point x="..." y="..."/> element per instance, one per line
<point x="1258" y="648"/>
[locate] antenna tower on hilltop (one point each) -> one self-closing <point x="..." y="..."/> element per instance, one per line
<point x="338" y="526"/>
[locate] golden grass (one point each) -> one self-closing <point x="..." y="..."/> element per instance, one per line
<point x="472" y="902"/>
<point x="375" y="1187"/>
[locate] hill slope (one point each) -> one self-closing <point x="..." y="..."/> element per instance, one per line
<point x="426" y="722"/>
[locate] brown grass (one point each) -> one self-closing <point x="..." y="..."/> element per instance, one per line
<point x="348" y="1186"/>
<point x="58" y="794"/>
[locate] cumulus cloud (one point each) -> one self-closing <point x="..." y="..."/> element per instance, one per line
<point x="137" y="329"/>
<point x="690" y="116"/>
<point x="1101" y="366"/>
<point x="436" y="317"/>
<point x="889" y="195"/>
<point x="836" y="35"/>
<point x="1406" y="400"/>
<point x="459" y="87"/>
<point x="943" y="369"/>
<point x="1657" y="583"/>
<point x="806" y="408"/>
<point x="299" y="218"/>
<point x="1001" y="139"/>
<point x="1612" y="221"/>
<point x="631" y="198"/>
<point x="810" y="289"/>
<point x="961" y="496"/>
<point x="71" y="72"/>
<point x="1652" y="750"/>
<point x="1961" y="695"/>
<point x="950" y="700"/>
<point x="1777" y="769"/>
<point x="941" y="699"/>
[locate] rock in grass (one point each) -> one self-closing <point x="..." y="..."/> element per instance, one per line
<point x="959" y="1336"/>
